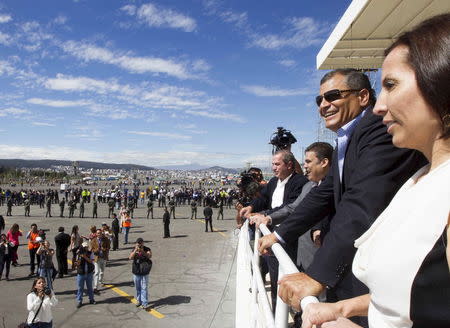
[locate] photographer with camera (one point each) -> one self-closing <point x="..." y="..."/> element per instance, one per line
<point x="40" y="301"/>
<point x="85" y="273"/>
<point x="46" y="267"/>
<point x="142" y="264"/>
<point x="250" y="184"/>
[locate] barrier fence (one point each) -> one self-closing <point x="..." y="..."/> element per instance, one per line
<point x="253" y="308"/>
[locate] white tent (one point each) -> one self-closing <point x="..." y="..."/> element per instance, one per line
<point x="370" y="26"/>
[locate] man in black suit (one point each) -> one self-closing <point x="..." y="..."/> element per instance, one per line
<point x="115" y="227"/>
<point x="208" y="213"/>
<point x="282" y="189"/>
<point x="366" y="173"/>
<point x="62" y="242"/>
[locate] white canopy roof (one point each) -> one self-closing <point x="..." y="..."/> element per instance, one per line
<point x="370" y="26"/>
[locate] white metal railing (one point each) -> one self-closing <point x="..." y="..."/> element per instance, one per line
<point x="252" y="304"/>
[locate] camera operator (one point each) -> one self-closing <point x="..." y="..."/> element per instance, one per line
<point x="250" y="184"/>
<point x="46" y="266"/>
<point x="39" y="305"/>
<point x="85" y="273"/>
<point x="141" y="267"/>
<point x="283" y="139"/>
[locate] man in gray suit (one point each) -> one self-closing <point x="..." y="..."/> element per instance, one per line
<point x="317" y="163"/>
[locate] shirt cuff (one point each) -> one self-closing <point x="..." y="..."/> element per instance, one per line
<point x="279" y="238"/>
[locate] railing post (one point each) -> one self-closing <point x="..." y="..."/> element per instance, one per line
<point x="281" y="311"/>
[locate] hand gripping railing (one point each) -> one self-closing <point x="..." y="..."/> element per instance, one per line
<point x="252" y="304"/>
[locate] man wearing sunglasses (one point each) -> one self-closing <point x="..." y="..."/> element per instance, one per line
<point x="367" y="170"/>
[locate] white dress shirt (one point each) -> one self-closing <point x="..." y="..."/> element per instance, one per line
<point x="278" y="193"/>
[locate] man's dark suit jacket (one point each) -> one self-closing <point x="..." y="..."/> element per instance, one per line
<point x="373" y="172"/>
<point x="292" y="189"/>
<point x="62" y="242"/>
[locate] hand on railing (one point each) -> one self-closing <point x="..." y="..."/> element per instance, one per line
<point x="294" y="287"/>
<point x="266" y="242"/>
<point x="258" y="218"/>
<point x="245" y="212"/>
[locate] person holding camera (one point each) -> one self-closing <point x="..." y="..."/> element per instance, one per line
<point x="142" y="264"/>
<point x="39" y="305"/>
<point x="85" y="273"/>
<point x="46" y="266"/>
<point x="100" y="246"/>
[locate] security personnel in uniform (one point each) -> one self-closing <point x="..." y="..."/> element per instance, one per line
<point x="193" y="209"/>
<point x="149" y="207"/>
<point x="62" y="203"/>
<point x="172" y="208"/>
<point x="49" y="207"/>
<point x="27" y="207"/>
<point x="82" y="208"/>
<point x="94" y="208"/>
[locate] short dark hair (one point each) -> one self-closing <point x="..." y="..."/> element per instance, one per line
<point x="322" y="150"/>
<point x="428" y="55"/>
<point x="354" y="79"/>
<point x="60" y="229"/>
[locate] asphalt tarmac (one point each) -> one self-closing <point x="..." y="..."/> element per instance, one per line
<point x="192" y="282"/>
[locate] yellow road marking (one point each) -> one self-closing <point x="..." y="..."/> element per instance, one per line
<point x="214" y="229"/>
<point x="130" y="298"/>
<point x="153" y="312"/>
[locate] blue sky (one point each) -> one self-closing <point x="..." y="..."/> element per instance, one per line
<point x="159" y="83"/>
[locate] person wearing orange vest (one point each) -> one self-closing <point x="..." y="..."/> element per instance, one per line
<point x="126" y="225"/>
<point x="33" y="245"/>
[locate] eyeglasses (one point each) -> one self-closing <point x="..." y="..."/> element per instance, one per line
<point x="332" y="95"/>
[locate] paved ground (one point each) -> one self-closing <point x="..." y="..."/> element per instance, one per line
<point x="191" y="284"/>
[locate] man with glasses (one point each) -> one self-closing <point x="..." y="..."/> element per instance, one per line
<point x="367" y="170"/>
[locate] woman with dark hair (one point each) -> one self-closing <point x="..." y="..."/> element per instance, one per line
<point x="5" y="256"/>
<point x="39" y="304"/>
<point x="402" y="257"/>
<point x="13" y="237"/>
<point x="75" y="243"/>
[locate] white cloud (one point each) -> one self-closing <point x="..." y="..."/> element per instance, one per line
<point x="263" y="91"/>
<point x="5" y="39"/>
<point x="287" y="63"/>
<point x="43" y="124"/>
<point x="153" y="96"/>
<point x="161" y="135"/>
<point x="33" y="36"/>
<point x="60" y="20"/>
<point x="57" y="103"/>
<point x="69" y="83"/>
<point x="217" y="115"/>
<point x="158" y="16"/>
<point x="5" y="18"/>
<point x="133" y="64"/>
<point x="135" y="157"/>
<point x="12" y="111"/>
<point x="301" y="32"/>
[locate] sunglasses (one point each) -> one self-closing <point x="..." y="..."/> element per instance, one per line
<point x="333" y="95"/>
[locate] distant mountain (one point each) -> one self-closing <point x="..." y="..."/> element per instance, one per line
<point x="48" y="163"/>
